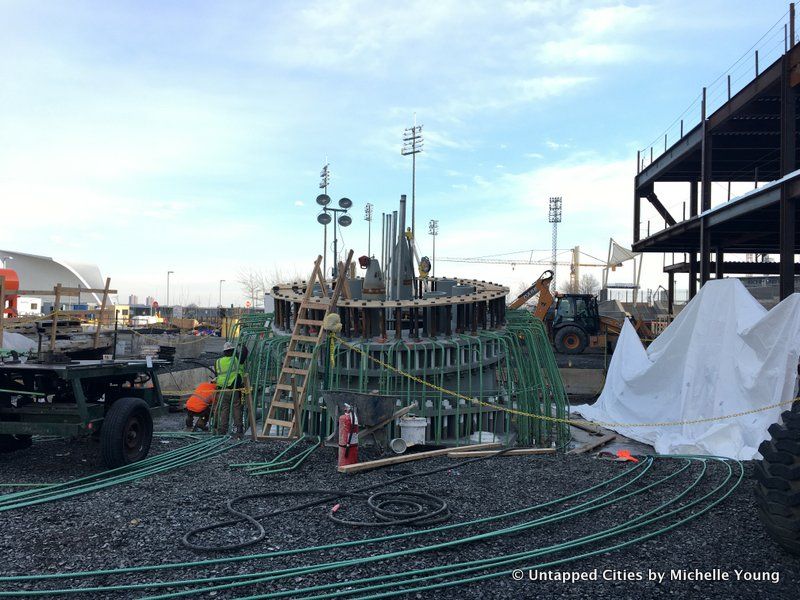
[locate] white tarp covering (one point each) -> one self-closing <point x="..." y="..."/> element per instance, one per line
<point x="723" y="354"/>
<point x="17" y="342"/>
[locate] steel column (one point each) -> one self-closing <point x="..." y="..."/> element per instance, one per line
<point x="718" y="271"/>
<point x="788" y="205"/>
<point x="670" y="293"/>
<point x="705" y="252"/>
<point x="705" y="160"/>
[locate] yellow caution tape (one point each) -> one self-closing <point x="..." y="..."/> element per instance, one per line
<point x="557" y="419"/>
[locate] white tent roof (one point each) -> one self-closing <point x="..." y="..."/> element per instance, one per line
<point x="43" y="272"/>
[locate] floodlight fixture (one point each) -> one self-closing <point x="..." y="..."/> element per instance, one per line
<point x="323" y="218"/>
<point x="323" y="199"/>
<point x="345" y="203"/>
<point x="344" y="220"/>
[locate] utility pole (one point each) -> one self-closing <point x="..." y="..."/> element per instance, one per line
<point x="368" y="219"/>
<point x="325" y="179"/>
<point x="221" y="281"/>
<point x="168" y="274"/>
<point x="554" y="217"/>
<point x="412" y="144"/>
<point x="433" y="229"/>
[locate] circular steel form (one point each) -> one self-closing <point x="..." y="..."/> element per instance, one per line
<point x="432" y="312"/>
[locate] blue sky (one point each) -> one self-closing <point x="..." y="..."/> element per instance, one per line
<point x="189" y="136"/>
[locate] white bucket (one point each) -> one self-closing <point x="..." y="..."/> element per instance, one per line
<point x="412" y="430"/>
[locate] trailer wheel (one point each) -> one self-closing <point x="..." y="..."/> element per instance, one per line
<point x="570" y="340"/>
<point x="10" y="443"/>
<point x="126" y="432"/>
<point x="778" y="481"/>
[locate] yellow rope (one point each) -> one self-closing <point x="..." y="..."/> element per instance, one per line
<point x="216" y="391"/>
<point x="556" y="419"/>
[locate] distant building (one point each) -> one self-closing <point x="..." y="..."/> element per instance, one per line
<point x="133" y="299"/>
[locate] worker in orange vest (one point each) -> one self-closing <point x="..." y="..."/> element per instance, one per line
<point x="199" y="406"/>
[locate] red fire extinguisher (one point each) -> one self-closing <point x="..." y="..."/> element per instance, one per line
<point x="348" y="437"/>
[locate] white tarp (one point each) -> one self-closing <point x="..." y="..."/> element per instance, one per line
<point x="17" y="342"/>
<point x="723" y="354"/>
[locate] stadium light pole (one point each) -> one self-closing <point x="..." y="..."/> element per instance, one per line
<point x="433" y="229"/>
<point x="412" y="145"/>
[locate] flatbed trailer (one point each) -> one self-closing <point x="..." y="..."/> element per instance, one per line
<point x="113" y="400"/>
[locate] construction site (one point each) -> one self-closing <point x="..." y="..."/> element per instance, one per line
<point x="384" y="422"/>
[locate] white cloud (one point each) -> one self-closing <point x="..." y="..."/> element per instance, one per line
<point x="299" y="203"/>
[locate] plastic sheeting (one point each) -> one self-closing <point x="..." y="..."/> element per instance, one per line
<point x="17" y="342"/>
<point x="723" y="354"/>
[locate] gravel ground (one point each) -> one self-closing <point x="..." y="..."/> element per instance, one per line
<point x="142" y="523"/>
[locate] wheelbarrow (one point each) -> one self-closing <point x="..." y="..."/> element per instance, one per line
<point x="374" y="413"/>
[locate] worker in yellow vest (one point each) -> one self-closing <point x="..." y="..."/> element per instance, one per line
<point x="230" y="377"/>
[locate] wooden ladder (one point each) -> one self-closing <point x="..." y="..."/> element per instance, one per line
<point x="290" y="389"/>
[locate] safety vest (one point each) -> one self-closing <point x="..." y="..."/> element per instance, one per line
<point x="202" y="398"/>
<point x="228" y="369"/>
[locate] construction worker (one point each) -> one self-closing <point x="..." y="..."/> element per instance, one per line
<point x="198" y="406"/>
<point x="230" y="377"/>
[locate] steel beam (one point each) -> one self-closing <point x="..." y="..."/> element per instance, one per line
<point x="662" y="210"/>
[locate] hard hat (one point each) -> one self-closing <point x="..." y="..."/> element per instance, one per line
<point x="227" y="346"/>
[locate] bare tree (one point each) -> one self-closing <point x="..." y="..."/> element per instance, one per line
<point x="253" y="286"/>
<point x="568" y="287"/>
<point x="588" y="284"/>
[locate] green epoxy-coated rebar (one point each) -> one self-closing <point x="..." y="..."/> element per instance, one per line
<point x="280" y="464"/>
<point x="150" y="466"/>
<point x="527" y="376"/>
<point x="455" y="574"/>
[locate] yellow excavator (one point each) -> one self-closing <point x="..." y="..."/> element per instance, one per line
<point x="574" y="324"/>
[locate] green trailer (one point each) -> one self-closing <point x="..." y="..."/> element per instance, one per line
<point x="112" y="400"/>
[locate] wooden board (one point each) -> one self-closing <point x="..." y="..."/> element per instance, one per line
<point x="394" y="460"/>
<point x="514" y="452"/>
<point x="594" y="444"/>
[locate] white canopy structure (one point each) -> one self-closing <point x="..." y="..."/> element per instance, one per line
<point x="43" y="273"/>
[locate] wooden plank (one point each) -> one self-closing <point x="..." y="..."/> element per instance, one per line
<point x="251" y="407"/>
<point x="400" y="413"/>
<point x="514" y="452"/>
<point x="309" y="322"/>
<point x="102" y="312"/>
<point x="56" y="307"/>
<point x="280" y="422"/>
<point x="593" y="444"/>
<point x="65" y="291"/>
<point x="298" y="354"/>
<point x="294" y="371"/>
<point x="586" y="426"/>
<point x="310" y="339"/>
<point x="283" y="404"/>
<point x="394" y="460"/>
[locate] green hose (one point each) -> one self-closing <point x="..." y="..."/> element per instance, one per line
<point x="457" y="574"/>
